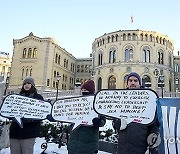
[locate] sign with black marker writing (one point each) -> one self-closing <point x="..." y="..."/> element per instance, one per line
<point x="77" y="110"/>
<point x="17" y="106"/>
<point x="138" y="105"/>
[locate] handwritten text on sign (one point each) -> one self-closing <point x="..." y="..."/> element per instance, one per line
<point x="78" y="110"/>
<point x="131" y="105"/>
<point x="24" y="107"/>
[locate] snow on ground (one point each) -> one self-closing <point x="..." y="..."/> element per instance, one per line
<point x="51" y="149"/>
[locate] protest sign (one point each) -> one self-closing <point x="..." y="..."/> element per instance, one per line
<point x="77" y="110"/>
<point x="137" y="105"/>
<point x="169" y="118"/>
<point x="17" y="106"/>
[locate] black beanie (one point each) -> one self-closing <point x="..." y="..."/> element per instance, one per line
<point x="135" y="75"/>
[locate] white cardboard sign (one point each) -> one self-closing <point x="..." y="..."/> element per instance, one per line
<point x="132" y="105"/>
<point x="77" y="110"/>
<point x="18" y="106"/>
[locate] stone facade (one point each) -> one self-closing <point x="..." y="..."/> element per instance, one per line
<point x="114" y="55"/>
<point x="43" y="59"/>
<point x="177" y="72"/>
<point x="148" y="53"/>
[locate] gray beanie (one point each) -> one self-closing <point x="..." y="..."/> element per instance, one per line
<point x="29" y="80"/>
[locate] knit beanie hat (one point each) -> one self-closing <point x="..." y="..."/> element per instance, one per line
<point x="29" y="80"/>
<point x="135" y="75"/>
<point x="89" y="86"/>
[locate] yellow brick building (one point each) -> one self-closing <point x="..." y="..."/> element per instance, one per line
<point x="114" y="55"/>
<point x="43" y="59"/>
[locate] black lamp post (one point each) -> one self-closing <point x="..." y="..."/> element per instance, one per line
<point x="156" y="74"/>
<point x="161" y="83"/>
<point x="6" y="85"/>
<point x="58" y="77"/>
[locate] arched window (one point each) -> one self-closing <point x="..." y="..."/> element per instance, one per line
<point x="164" y="41"/>
<point x="29" y="53"/>
<point x="30" y="72"/>
<point x="129" y="36"/>
<point x="170" y="85"/>
<point x="176" y="68"/>
<point x="86" y="69"/>
<point x="102" y="41"/>
<point x="146" y="54"/>
<point x="125" y="82"/>
<point x="160" y="56"/>
<point x="56" y="59"/>
<point x="129" y="53"/>
<point x="116" y="37"/>
<point x="150" y="38"/>
<point x="157" y="39"/>
<point x="34" y="52"/>
<point x="112" y="82"/>
<point x="124" y="37"/>
<point x="54" y="73"/>
<point x="100" y="55"/>
<point x="99" y="83"/>
<point x="82" y="68"/>
<point x="146" y="81"/>
<point x="146" y="37"/>
<point x="134" y="37"/>
<point x="112" y="37"/>
<point x="59" y="58"/>
<point x="141" y="37"/>
<point x="112" y="55"/>
<point x="22" y="74"/>
<point x="170" y="60"/>
<point x="24" y="53"/>
<point x="64" y="62"/>
<point x="108" y="39"/>
<point x="78" y="68"/>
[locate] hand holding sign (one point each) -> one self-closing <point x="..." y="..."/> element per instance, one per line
<point x="24" y="107"/>
<point x="78" y="110"/>
<point x="131" y="105"/>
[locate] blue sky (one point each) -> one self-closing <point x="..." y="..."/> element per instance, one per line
<point x="76" y="23"/>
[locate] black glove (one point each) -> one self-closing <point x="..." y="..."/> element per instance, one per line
<point x="119" y="124"/>
<point x="116" y="124"/>
<point x="50" y="118"/>
<point x="96" y="122"/>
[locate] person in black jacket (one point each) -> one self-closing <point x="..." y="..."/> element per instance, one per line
<point x="85" y="139"/>
<point x="133" y="139"/>
<point x="22" y="140"/>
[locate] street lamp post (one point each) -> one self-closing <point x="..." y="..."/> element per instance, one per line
<point x="58" y="77"/>
<point x="6" y="85"/>
<point x="156" y="74"/>
<point x="161" y="84"/>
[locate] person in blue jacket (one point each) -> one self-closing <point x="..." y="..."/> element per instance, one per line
<point x="22" y="140"/>
<point x="85" y="139"/>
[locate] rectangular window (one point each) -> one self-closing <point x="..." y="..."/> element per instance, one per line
<point x="48" y="82"/>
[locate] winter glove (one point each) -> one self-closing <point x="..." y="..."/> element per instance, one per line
<point x="99" y="121"/>
<point x="119" y="124"/>
<point x="50" y="118"/>
<point x="96" y="122"/>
